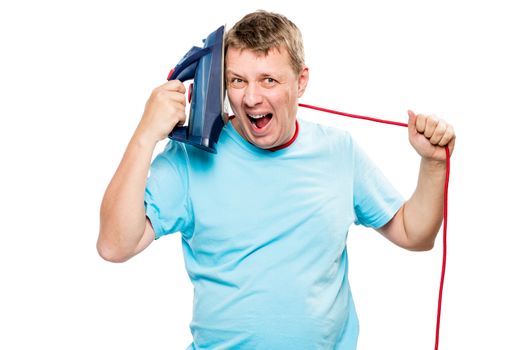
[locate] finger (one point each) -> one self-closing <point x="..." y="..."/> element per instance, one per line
<point x="439" y="132"/>
<point x="181" y="120"/>
<point x="175" y="112"/>
<point x="178" y="97"/>
<point x="421" y="123"/>
<point x="448" y="136"/>
<point x="412" y="119"/>
<point x="431" y="125"/>
<point x="174" y="85"/>
<point x="451" y="145"/>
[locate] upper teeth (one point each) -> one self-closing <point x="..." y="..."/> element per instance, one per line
<point x="258" y="116"/>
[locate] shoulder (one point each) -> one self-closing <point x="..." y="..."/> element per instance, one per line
<point x="323" y="129"/>
<point x="174" y="156"/>
<point x="326" y="136"/>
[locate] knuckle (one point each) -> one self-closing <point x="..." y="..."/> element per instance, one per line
<point x="178" y="86"/>
<point x="435" y="140"/>
<point x="158" y="93"/>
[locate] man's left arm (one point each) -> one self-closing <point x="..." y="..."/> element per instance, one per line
<point x="416" y="224"/>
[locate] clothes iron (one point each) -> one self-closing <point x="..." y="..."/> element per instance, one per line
<point x="206" y="94"/>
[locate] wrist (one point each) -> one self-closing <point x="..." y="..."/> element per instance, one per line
<point x="433" y="164"/>
<point x="144" y="138"/>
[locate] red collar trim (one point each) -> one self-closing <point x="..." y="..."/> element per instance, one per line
<point x="287" y="144"/>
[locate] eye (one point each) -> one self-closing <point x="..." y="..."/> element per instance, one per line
<point x="269" y="82"/>
<point x="235" y="82"/>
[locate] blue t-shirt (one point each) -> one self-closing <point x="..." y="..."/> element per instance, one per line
<point x="264" y="235"/>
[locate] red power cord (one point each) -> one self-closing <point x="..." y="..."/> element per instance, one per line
<point x="445" y="229"/>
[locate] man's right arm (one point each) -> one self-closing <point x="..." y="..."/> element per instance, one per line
<point x="124" y="228"/>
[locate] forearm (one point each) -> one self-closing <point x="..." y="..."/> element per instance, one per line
<point x="122" y="213"/>
<point x="423" y="212"/>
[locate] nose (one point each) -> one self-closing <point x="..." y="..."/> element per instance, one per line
<point x="252" y="95"/>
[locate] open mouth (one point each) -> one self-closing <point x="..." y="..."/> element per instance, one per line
<point x="260" y="120"/>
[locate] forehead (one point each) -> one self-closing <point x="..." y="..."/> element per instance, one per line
<point x="244" y="61"/>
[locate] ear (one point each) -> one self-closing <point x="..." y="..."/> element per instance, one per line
<point x="303" y="79"/>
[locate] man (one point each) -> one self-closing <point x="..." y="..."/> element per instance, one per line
<point x="264" y="222"/>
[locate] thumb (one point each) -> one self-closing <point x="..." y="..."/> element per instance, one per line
<point x="412" y="122"/>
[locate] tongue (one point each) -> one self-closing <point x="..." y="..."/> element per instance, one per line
<point x="260" y="123"/>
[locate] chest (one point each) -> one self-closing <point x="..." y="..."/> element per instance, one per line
<point x="241" y="205"/>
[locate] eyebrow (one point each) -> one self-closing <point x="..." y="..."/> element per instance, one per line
<point x="229" y="72"/>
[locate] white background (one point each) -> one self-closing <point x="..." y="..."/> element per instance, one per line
<point x="74" y="77"/>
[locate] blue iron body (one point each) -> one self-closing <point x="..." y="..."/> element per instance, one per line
<point x="206" y="116"/>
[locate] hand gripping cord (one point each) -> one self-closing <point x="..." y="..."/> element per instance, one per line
<point x="445" y="228"/>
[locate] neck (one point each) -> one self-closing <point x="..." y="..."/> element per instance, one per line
<point x="234" y="122"/>
<point x="289" y="142"/>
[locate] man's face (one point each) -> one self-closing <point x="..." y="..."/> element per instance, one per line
<point x="263" y="91"/>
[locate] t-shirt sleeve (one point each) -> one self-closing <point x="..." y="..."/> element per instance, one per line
<point x="167" y="201"/>
<point x="375" y="199"/>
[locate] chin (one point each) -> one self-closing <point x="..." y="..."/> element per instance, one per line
<point x="263" y="145"/>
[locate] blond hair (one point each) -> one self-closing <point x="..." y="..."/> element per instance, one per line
<point x="262" y="31"/>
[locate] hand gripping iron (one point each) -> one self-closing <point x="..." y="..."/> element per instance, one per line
<point x="206" y="94"/>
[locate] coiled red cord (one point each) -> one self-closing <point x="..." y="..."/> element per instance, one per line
<point x="445" y="228"/>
